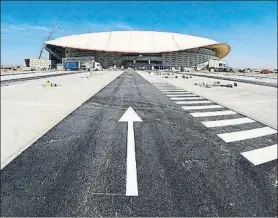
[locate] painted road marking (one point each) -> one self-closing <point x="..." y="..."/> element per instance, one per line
<point x="246" y="134"/>
<point x="261" y="155"/>
<point x="181" y="92"/>
<point x="193" y="102"/>
<point x="172" y="90"/>
<point x="131" y="116"/>
<point x="183" y="98"/>
<point x="193" y="98"/>
<point x="213" y="113"/>
<point x="182" y="95"/>
<point x="227" y="122"/>
<point x="201" y="107"/>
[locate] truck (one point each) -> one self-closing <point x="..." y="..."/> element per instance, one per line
<point x="214" y="66"/>
<point x="85" y="63"/>
<point x="71" y="65"/>
<point x="91" y="65"/>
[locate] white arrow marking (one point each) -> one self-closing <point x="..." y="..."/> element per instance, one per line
<point x="131" y="116"/>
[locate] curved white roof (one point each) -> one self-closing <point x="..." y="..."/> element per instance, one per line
<point x="138" y="42"/>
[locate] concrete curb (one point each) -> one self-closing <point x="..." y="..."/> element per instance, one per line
<point x="236" y="80"/>
<point x="7" y="82"/>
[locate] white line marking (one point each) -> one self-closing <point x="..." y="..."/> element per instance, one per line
<point x="201" y="107"/>
<point x="246" y="134"/>
<point x="183" y="98"/>
<point x="131" y="116"/>
<point x="212" y="113"/>
<point x="193" y="102"/>
<point x="168" y="93"/>
<point x="182" y="95"/>
<point x="172" y="90"/>
<point x="227" y="122"/>
<point x="261" y="155"/>
<point x="193" y="98"/>
<point x="131" y="172"/>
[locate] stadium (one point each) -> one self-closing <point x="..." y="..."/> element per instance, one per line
<point x="137" y="49"/>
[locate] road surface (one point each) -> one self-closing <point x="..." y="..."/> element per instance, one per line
<point x="184" y="168"/>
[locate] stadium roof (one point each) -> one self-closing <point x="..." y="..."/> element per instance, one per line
<point x="138" y="42"/>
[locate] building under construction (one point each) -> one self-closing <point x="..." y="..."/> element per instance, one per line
<point x="137" y="49"/>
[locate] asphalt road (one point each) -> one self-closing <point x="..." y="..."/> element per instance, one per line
<point x="78" y="168"/>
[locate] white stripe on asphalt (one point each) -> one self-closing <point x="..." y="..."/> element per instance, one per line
<point x="182" y="95"/>
<point x="212" y="113"/>
<point x="193" y="102"/>
<point x="167" y="93"/>
<point x="201" y="107"/>
<point x="246" y="134"/>
<point x="131" y="170"/>
<point x="228" y="122"/>
<point x="181" y="92"/>
<point x="172" y="90"/>
<point x="261" y="155"/>
<point x="193" y="98"/>
<point x="183" y="98"/>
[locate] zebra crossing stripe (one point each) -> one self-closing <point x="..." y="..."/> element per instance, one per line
<point x="182" y="95"/>
<point x="193" y="102"/>
<point x="261" y="155"/>
<point x="183" y="98"/>
<point x="201" y="107"/>
<point x="246" y="134"/>
<point x="193" y="98"/>
<point x="181" y="92"/>
<point x="173" y="90"/>
<point x="227" y="122"/>
<point x="213" y="113"/>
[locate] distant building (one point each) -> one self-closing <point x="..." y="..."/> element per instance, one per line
<point x="37" y="64"/>
<point x="137" y="49"/>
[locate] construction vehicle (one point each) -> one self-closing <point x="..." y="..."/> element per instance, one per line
<point x="91" y="65"/>
<point x="71" y="65"/>
<point x="83" y="63"/>
<point x="86" y="65"/>
<point x="214" y="66"/>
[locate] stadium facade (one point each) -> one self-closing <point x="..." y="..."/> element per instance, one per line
<point x="137" y="49"/>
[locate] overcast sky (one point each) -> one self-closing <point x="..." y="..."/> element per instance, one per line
<point x="250" y="27"/>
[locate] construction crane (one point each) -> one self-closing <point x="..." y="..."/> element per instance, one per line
<point x="50" y="34"/>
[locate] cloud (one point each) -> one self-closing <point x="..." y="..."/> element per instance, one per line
<point x="42" y="28"/>
<point x="15" y="48"/>
<point x="124" y="26"/>
<point x="8" y="27"/>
